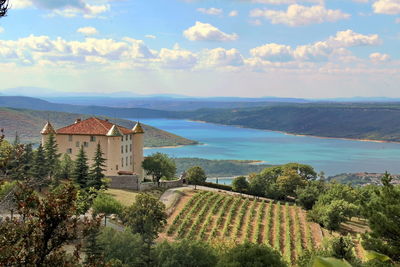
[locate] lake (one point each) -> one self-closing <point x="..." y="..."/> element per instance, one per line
<point x="333" y="156"/>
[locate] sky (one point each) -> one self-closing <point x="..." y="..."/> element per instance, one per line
<point x="247" y="48"/>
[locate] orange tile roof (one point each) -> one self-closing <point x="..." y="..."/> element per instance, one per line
<point x="91" y="126"/>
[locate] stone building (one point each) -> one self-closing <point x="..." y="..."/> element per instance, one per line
<point x="122" y="147"/>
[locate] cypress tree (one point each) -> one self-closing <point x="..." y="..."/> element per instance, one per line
<point x="39" y="168"/>
<point x="93" y="248"/>
<point x="96" y="173"/>
<point x="81" y="170"/>
<point x="52" y="157"/>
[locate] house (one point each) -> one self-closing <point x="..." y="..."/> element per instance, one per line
<point x="122" y="148"/>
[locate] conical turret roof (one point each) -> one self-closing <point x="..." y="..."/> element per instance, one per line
<point x="114" y="131"/>
<point x="48" y="129"/>
<point x="138" y="128"/>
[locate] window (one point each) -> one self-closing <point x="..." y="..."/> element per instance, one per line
<point x="126" y="137"/>
<point x="116" y="167"/>
<point x="85" y="144"/>
<point x="92" y="138"/>
<point x="77" y="144"/>
<point x="122" y="162"/>
<point x="130" y="147"/>
<point x="70" y="138"/>
<point x="69" y="150"/>
<point x="126" y="148"/>
<point x="126" y="161"/>
<point x="130" y="137"/>
<point x="130" y="160"/>
<point x="122" y="138"/>
<point x="122" y="149"/>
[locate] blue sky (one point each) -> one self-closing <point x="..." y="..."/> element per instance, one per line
<point x="287" y="48"/>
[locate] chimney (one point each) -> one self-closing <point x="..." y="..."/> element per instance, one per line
<point x="78" y="120"/>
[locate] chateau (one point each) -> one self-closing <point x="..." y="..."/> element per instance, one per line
<point x="122" y="148"/>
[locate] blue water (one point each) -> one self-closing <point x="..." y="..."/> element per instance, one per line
<point x="333" y="156"/>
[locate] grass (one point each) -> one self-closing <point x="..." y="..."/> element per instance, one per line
<point x="127" y="197"/>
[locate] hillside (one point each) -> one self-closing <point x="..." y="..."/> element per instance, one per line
<point x="211" y="216"/>
<point x="28" y="124"/>
<point x="361" y="121"/>
<point x="220" y="168"/>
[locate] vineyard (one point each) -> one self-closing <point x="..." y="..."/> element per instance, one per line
<point x="209" y="216"/>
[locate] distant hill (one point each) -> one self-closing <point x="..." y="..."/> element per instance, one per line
<point x="28" y="124"/>
<point x="354" y="121"/>
<point x="39" y="104"/>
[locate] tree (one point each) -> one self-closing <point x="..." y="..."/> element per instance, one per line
<point x="66" y="167"/>
<point x="122" y="246"/>
<point x="289" y="182"/>
<point x="146" y="217"/>
<point x="308" y="195"/>
<point x="383" y="214"/>
<point x="249" y="255"/>
<point x="258" y="185"/>
<point x="159" y="165"/>
<point x="184" y="253"/>
<point x="81" y="170"/>
<point x="106" y="205"/>
<point x="39" y="168"/>
<point x="240" y="184"/>
<point x="196" y="175"/>
<point x="96" y="173"/>
<point x="3" y="8"/>
<point x="48" y="225"/>
<point x="93" y="248"/>
<point x="52" y="157"/>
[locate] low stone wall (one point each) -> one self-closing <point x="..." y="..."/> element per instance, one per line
<point x="132" y="182"/>
<point x="124" y="182"/>
<point x="163" y="184"/>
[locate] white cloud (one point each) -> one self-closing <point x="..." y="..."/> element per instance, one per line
<point x="233" y="13"/>
<point x="64" y="8"/>
<point x="210" y="11"/>
<point x="273" y="52"/>
<point x="220" y="57"/>
<point x="298" y="15"/>
<point x="390" y="7"/>
<point x="286" y="2"/>
<point x="207" y="32"/>
<point x="87" y="31"/>
<point x="1" y="29"/>
<point x="378" y="57"/>
<point x="177" y="58"/>
<point x="150" y="36"/>
<point x="333" y="48"/>
<point x="351" y="38"/>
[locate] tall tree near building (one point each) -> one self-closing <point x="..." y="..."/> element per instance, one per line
<point x="66" y="167"/>
<point x="96" y="172"/>
<point x="81" y="170"/>
<point x="52" y="157"/>
<point x="159" y="165"/>
<point x="39" y="168"/>
<point x="147" y="218"/>
<point x="196" y="175"/>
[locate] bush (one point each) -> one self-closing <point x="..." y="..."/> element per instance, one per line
<point x="218" y="186"/>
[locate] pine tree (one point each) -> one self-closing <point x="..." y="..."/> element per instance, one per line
<point x="52" y="157"/>
<point x="96" y="173"/>
<point x="93" y="248"/>
<point x="25" y="162"/>
<point x="39" y="168"/>
<point x="66" y="167"/>
<point x="81" y="170"/>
